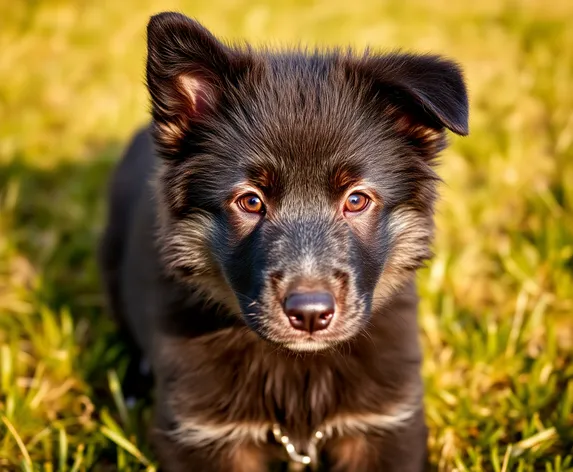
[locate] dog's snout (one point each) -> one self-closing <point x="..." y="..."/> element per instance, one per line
<point x="309" y="311"/>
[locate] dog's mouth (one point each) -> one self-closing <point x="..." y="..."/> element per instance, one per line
<point x="302" y="341"/>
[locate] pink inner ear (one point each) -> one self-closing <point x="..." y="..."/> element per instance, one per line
<point x="193" y="96"/>
<point x="404" y="123"/>
<point x="196" y="90"/>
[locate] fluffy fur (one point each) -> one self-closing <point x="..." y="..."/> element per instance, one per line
<point x="199" y="283"/>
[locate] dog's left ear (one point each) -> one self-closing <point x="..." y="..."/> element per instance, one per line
<point x="426" y="92"/>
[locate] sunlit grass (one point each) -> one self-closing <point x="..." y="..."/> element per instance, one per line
<point x="497" y="311"/>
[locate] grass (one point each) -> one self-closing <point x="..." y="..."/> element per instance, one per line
<point x="496" y="316"/>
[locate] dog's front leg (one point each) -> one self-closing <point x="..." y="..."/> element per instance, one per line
<point x="400" y="450"/>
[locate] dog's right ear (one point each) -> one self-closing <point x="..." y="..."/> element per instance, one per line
<point x="187" y="71"/>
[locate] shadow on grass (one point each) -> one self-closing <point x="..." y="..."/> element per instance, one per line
<point x="56" y="221"/>
<point x="51" y="221"/>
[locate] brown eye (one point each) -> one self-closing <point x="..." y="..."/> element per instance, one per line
<point x="356" y="202"/>
<point x="251" y="203"/>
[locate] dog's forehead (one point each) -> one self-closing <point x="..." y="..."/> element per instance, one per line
<point x="303" y="112"/>
<point x="306" y="137"/>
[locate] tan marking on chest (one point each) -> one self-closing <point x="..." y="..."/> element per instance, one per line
<point x="197" y="433"/>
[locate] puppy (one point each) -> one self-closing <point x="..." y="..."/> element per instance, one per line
<point x="262" y="244"/>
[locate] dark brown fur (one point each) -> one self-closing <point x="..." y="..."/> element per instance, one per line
<point x="199" y="285"/>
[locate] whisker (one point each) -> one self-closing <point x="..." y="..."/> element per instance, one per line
<point x="252" y="301"/>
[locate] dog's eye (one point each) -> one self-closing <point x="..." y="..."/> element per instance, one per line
<point x="251" y="203"/>
<point x="356" y="202"/>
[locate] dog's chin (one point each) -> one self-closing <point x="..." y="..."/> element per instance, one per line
<point x="309" y="345"/>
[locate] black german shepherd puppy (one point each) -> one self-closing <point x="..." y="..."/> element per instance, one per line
<point x="262" y="244"/>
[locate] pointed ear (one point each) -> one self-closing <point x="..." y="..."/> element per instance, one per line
<point x="187" y="72"/>
<point x="428" y="90"/>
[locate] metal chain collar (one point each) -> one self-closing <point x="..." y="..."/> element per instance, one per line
<point x="310" y="458"/>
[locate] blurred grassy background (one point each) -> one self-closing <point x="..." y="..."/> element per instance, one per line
<point x="497" y="300"/>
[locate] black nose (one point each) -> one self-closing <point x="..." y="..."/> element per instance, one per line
<point x="309" y="311"/>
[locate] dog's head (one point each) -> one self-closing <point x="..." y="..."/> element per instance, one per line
<point x="296" y="188"/>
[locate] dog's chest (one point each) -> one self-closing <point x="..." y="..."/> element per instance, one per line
<point x="242" y="391"/>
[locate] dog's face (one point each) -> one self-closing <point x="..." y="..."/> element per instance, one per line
<point x="296" y="189"/>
